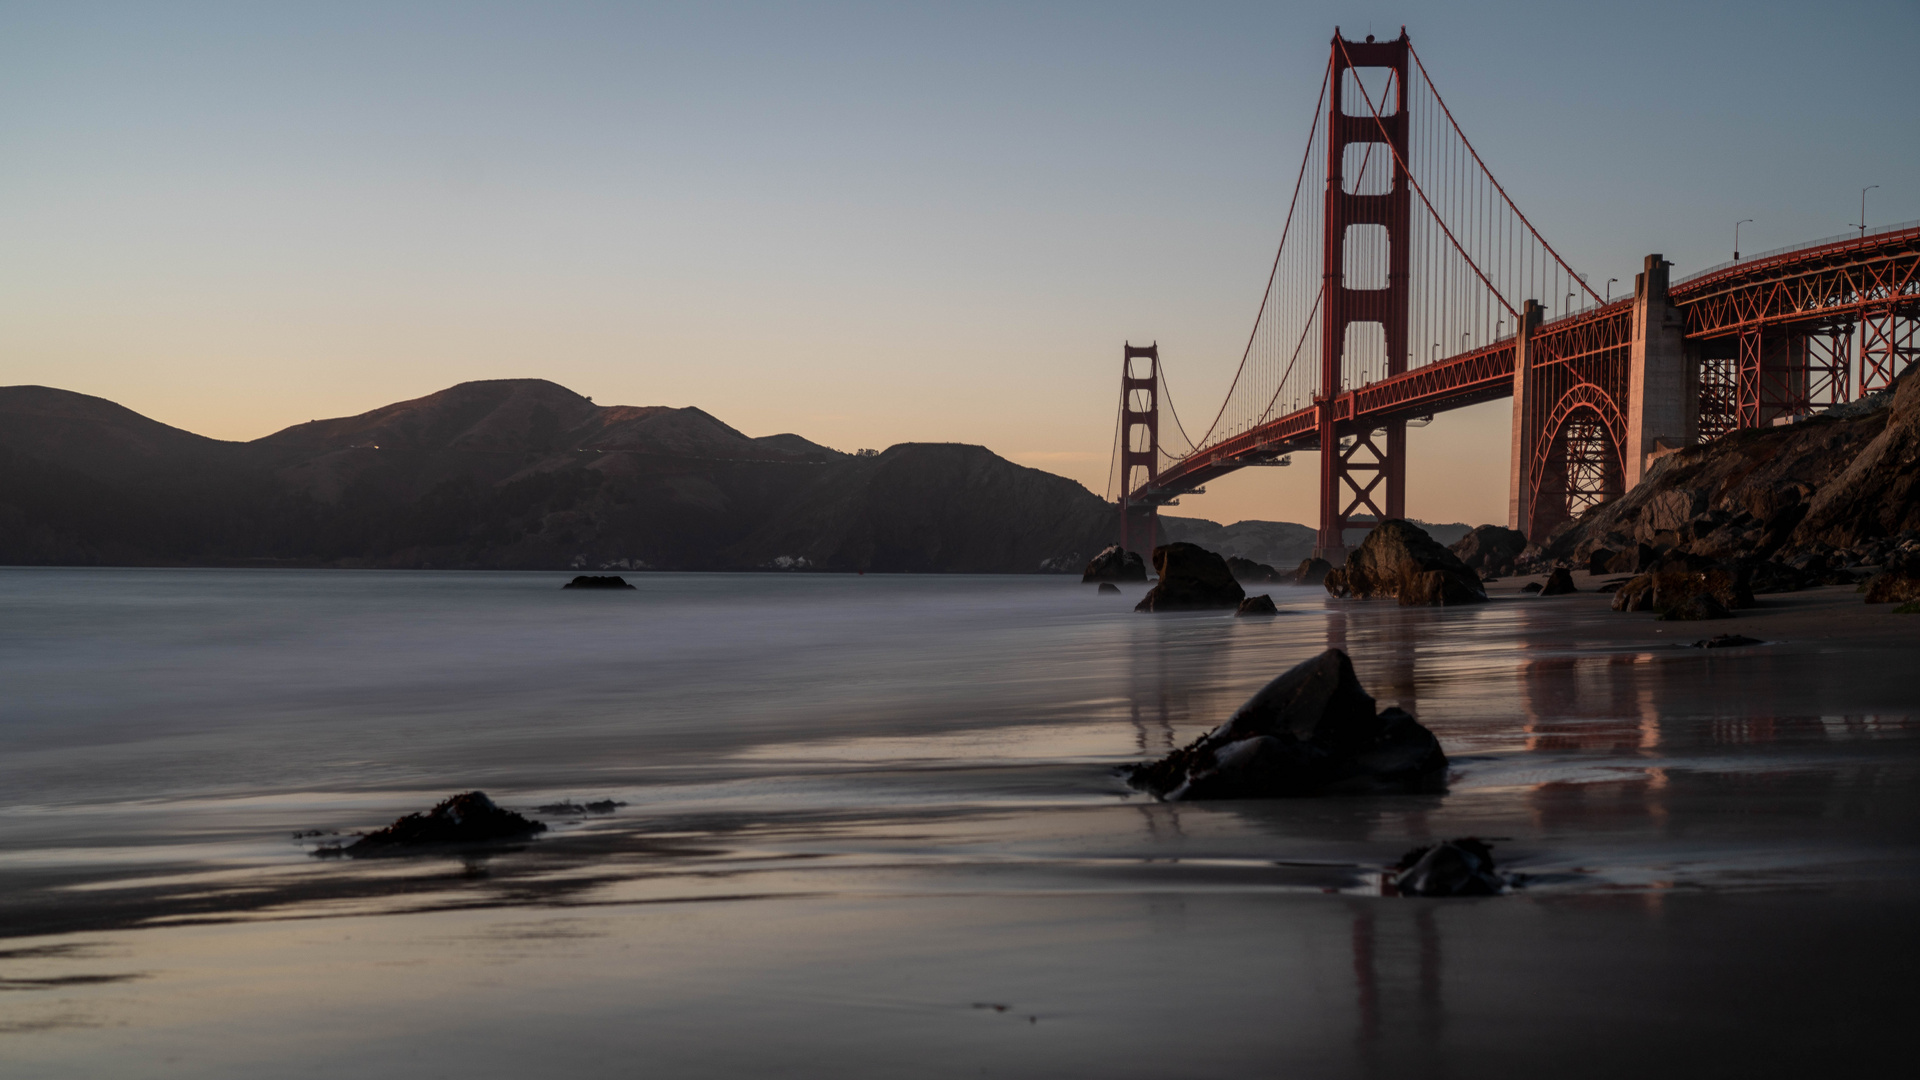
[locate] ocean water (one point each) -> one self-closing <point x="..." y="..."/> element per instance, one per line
<point x="878" y="814"/>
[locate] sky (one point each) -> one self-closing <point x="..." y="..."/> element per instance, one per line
<point x="865" y="223"/>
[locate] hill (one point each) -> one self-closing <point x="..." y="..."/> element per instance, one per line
<point x="516" y="473"/>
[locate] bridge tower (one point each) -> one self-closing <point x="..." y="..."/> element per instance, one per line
<point x="1363" y="472"/>
<point x="1139" y="440"/>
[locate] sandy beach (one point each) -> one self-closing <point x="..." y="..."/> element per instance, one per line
<point x="825" y="866"/>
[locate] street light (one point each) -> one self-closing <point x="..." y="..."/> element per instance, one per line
<point x="1863" y="210"/>
<point x="1610" y="282"/>
<point x="1736" y="236"/>
<point x="1567" y="307"/>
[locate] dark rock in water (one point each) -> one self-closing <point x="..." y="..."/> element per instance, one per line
<point x="470" y="818"/>
<point x="1115" y="564"/>
<point x="1399" y="559"/>
<point x="1107" y="587"/>
<point x="1559" y="583"/>
<point x="1601" y="561"/>
<point x="1490" y="549"/>
<point x="1911" y="607"/>
<point x="571" y="808"/>
<point x="1312" y="572"/>
<point x="1311" y="731"/>
<point x="1461" y="867"/>
<point x="1611" y="586"/>
<point x="1695" y="607"/>
<point x="589" y="581"/>
<point x="1248" y="572"/>
<point x="1774" y="577"/>
<point x="1191" y="579"/>
<point x="1257" y="605"/>
<point x="1725" y="641"/>
<point x="1531" y="586"/>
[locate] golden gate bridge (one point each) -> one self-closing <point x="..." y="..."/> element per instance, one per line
<point x="1407" y="283"/>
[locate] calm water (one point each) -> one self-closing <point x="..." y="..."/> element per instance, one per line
<point x="870" y="810"/>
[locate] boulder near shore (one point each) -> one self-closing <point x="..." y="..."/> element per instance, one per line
<point x="1191" y="579"/>
<point x="1115" y="564"/>
<point x="1311" y="731"/>
<point x="592" y="581"/>
<point x="1398" y="559"/>
<point x="467" y="818"/>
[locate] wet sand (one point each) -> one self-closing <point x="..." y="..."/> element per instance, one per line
<point x="1721" y="846"/>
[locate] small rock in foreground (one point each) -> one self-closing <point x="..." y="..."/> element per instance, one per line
<point x="1248" y="572"/>
<point x="469" y="818"/>
<point x="589" y="581"/>
<point x="1694" y="608"/>
<point x="1311" y="731"/>
<point x="1462" y="867"/>
<point x="1725" y="641"/>
<point x="1258" y="605"/>
<point x="1531" y="586"/>
<point x="1107" y="587"/>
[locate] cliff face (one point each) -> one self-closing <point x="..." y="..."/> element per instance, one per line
<point x="517" y="473"/>
<point x="1843" y="480"/>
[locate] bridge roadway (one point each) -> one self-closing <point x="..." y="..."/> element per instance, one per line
<point x="1817" y="286"/>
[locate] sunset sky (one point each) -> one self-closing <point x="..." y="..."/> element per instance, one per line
<point x="866" y="223"/>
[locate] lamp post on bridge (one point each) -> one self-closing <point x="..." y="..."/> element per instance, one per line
<point x="1610" y="282"/>
<point x="1736" y="236"/>
<point x="1863" y="210"/>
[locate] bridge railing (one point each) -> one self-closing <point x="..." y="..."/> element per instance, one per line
<point x="1841" y="238"/>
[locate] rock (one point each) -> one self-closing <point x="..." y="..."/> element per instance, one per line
<point x="1601" y="561"/>
<point x="1897" y="583"/>
<point x="1108" y="587"/>
<point x="1114" y="564"/>
<point x="1312" y="572"/>
<point x="1257" y="605"/>
<point x="1773" y="577"/>
<point x="570" y="808"/>
<point x="469" y="818"/>
<point x="1399" y="559"/>
<point x="1695" y="607"/>
<point x="1461" y="867"/>
<point x="1310" y="731"/>
<point x="1248" y="572"/>
<point x="1532" y="587"/>
<point x="1911" y="607"/>
<point x="1191" y="579"/>
<point x="588" y="581"/>
<point x="1725" y="641"/>
<point x="1490" y="549"/>
<point x="1611" y="586"/>
<point x="1559" y="583"/>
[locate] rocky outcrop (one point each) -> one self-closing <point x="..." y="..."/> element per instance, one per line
<point x="1559" y="583"/>
<point x="1257" y="605"/>
<point x="590" y="581"/>
<point x="1114" y="564"/>
<point x="1310" y="731"/>
<point x="1248" y="572"/>
<point x="469" y="818"/>
<point x="1897" y="583"/>
<point x="1830" y="497"/>
<point x="1398" y="559"/>
<point x="1490" y="550"/>
<point x="1108" y="587"/>
<point x="1191" y="579"/>
<point x="1312" y="572"/>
